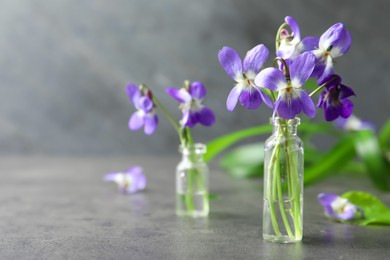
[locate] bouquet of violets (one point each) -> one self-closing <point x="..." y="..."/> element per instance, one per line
<point x="282" y="88"/>
<point x="192" y="171"/>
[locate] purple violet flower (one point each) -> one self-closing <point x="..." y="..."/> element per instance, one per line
<point x="291" y="99"/>
<point x="333" y="43"/>
<point x="131" y="181"/>
<point x="353" y="123"/>
<point x="339" y="208"/>
<point x="191" y="105"/>
<point x="145" y="116"/>
<point x="244" y="73"/>
<point x="335" y="100"/>
<point x="290" y="43"/>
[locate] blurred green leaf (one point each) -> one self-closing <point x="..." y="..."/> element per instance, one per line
<point x="375" y="211"/>
<point x="332" y="161"/>
<point x="244" y="161"/>
<point x="367" y="147"/>
<point x="220" y="144"/>
<point x="384" y="135"/>
<point x="213" y="196"/>
<point x="311" y="84"/>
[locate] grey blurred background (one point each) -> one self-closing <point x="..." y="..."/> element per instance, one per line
<point x="64" y="65"/>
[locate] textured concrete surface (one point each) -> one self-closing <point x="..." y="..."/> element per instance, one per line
<point x="64" y="64"/>
<point x="59" y="208"/>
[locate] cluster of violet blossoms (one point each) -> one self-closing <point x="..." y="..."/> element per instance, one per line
<point x="298" y="60"/>
<point x="190" y="98"/>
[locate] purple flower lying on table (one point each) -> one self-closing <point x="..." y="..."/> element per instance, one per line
<point x="338" y="208"/>
<point x="190" y="98"/>
<point x="131" y="181"/>
<point x="244" y="74"/>
<point x="145" y="116"/>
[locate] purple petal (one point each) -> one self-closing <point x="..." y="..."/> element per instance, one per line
<point x="321" y="99"/>
<point x="294" y="28"/>
<point x="250" y="98"/>
<point x="232" y="99"/>
<point x="301" y="68"/>
<point x="255" y="58"/>
<point x="151" y="122"/>
<point x="136" y="120"/>
<point x="133" y="92"/>
<point x="266" y="99"/>
<point x="307" y="103"/>
<point x="206" y="116"/>
<point x="145" y="104"/>
<point x="138" y="181"/>
<point x="332" y="80"/>
<point x="288" y="109"/>
<point x="346" y="108"/>
<point x="180" y="95"/>
<point x="346" y="92"/>
<point x="190" y="119"/>
<point x="308" y="44"/>
<point x="197" y="90"/>
<point x="331" y="113"/>
<point x="230" y="62"/>
<point x="111" y="176"/>
<point x="336" y="37"/>
<point x="271" y="78"/>
<point x="327" y="70"/>
<point x="326" y="198"/>
<point x="348" y="213"/>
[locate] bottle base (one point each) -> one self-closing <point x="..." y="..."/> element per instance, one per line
<point x="282" y="239"/>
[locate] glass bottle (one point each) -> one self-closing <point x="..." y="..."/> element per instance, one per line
<point x="192" y="181"/>
<point x="283" y="183"/>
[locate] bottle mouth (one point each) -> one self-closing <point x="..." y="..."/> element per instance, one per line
<point x="278" y="121"/>
<point x="197" y="148"/>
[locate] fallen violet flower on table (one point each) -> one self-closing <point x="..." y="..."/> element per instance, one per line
<point x="131" y="181"/>
<point x="353" y="123"/>
<point x="338" y="208"/>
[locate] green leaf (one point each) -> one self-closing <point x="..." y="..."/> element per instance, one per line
<point x="244" y="161"/>
<point x="311" y="84"/>
<point x="213" y="196"/>
<point x="220" y="144"/>
<point x="332" y="161"/>
<point x="367" y="147"/>
<point x="375" y="211"/>
<point x="384" y="135"/>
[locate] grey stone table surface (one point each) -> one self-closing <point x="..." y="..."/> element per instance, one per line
<point x="59" y="208"/>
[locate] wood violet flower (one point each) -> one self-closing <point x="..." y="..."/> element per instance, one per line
<point x="334" y="100"/>
<point x="145" y="116"/>
<point x="338" y="208"/>
<point x="291" y="100"/>
<point x="190" y="98"/>
<point x="131" y="181"/>
<point x="244" y="73"/>
<point x="333" y="43"/>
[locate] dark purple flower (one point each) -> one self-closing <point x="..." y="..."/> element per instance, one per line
<point x="334" y="100"/>
<point x="145" y="116"/>
<point x="354" y="123"/>
<point x="291" y="99"/>
<point x="339" y="208"/>
<point x="131" y="181"/>
<point x="333" y="43"/>
<point x="191" y="105"/>
<point x="291" y="44"/>
<point x="244" y="73"/>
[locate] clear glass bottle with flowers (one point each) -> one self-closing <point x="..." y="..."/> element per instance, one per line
<point x="192" y="174"/>
<point x="282" y="88"/>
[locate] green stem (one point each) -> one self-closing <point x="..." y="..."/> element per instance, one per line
<point x="271" y="191"/>
<point x="168" y="115"/>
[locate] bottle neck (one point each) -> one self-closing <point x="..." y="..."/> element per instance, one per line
<point x="193" y="153"/>
<point x="285" y="126"/>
